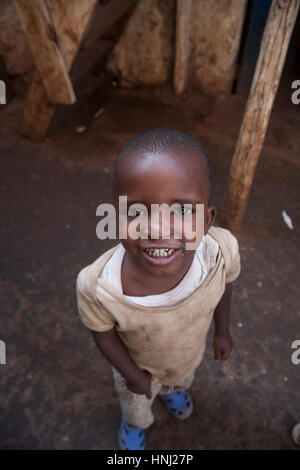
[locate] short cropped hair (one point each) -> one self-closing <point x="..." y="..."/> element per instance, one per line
<point x="163" y="140"/>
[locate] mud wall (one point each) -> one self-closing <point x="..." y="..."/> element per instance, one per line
<point x="144" y="54"/>
<point x="145" y="49"/>
<point x="15" y="56"/>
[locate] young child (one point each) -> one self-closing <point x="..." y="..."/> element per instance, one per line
<point x="150" y="301"/>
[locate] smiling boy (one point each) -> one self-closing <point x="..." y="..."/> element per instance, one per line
<point x="150" y="301"/>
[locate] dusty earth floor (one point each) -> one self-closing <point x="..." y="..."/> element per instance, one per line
<point x="56" y="389"/>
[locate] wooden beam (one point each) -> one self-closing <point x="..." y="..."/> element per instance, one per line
<point x="265" y="82"/>
<point x="37" y="23"/>
<point x="182" y="44"/>
<point x="93" y="46"/>
<point x="104" y="17"/>
<point x="70" y="19"/>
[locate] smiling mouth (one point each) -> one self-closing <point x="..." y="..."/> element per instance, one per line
<point x="161" y="256"/>
<point x="159" y="252"/>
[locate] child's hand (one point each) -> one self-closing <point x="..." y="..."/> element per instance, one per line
<point x="223" y="345"/>
<point x="142" y="385"/>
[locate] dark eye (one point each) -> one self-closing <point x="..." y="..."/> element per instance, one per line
<point x="184" y="210"/>
<point x="134" y="211"/>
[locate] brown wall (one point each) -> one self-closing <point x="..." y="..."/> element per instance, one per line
<point x="144" y="54"/>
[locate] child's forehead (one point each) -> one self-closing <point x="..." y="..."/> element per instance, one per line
<point x="179" y="164"/>
<point x="164" y="176"/>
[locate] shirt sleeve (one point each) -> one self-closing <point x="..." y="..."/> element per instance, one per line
<point x="233" y="261"/>
<point x="91" y="312"/>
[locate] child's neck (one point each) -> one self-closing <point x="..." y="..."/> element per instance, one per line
<point x="137" y="282"/>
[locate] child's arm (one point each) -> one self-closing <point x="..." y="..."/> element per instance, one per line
<point x="222" y="340"/>
<point x="113" y="349"/>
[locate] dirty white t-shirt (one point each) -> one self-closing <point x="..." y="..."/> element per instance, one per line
<point x="167" y="341"/>
<point x="204" y="261"/>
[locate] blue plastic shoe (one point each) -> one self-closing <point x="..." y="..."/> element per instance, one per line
<point x="130" y="437"/>
<point x="179" y="404"/>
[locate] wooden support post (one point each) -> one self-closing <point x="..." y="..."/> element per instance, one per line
<point x="37" y="24"/>
<point x="182" y="44"/>
<point x="268" y="70"/>
<point x="69" y="19"/>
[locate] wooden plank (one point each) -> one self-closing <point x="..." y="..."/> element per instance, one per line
<point x="216" y="28"/>
<point x="182" y="44"/>
<point x="69" y="20"/>
<point x="36" y="20"/>
<point x="268" y="70"/>
<point x="104" y="17"/>
<point x="38" y="110"/>
<point x="94" y="47"/>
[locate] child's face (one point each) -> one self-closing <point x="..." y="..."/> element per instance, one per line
<point x="164" y="179"/>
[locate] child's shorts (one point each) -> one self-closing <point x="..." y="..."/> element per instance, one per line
<point x="136" y="408"/>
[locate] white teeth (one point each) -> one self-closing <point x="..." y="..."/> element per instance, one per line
<point x="163" y="252"/>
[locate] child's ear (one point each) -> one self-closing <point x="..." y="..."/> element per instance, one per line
<point x="211" y="215"/>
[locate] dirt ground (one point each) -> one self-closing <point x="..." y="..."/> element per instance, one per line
<point x="56" y="389"/>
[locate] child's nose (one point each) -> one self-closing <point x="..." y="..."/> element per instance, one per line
<point x="159" y="226"/>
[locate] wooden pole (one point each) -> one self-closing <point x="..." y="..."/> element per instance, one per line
<point x="182" y="44"/>
<point x="70" y="19"/>
<point x="275" y="41"/>
<point x="37" y="24"/>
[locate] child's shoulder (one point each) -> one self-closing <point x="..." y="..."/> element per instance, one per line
<point x="229" y="247"/>
<point x="223" y="236"/>
<point x="87" y="276"/>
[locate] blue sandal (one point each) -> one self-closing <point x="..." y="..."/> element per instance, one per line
<point x="179" y="404"/>
<point x="130" y="437"/>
